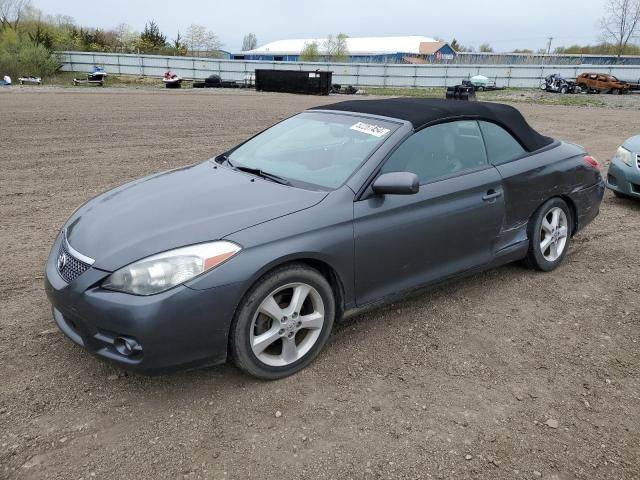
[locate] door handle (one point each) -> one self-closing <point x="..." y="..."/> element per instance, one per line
<point x="491" y="195"/>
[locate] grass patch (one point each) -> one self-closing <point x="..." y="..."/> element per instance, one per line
<point x="515" y="95"/>
<point x="407" y="92"/>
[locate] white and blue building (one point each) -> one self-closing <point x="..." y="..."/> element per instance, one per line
<point x="409" y="49"/>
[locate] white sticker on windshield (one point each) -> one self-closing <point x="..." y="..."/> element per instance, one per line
<point x="369" y="129"/>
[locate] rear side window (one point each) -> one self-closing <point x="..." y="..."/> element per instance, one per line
<point x="440" y="151"/>
<point x="501" y="146"/>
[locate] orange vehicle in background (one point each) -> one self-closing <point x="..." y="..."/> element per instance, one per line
<point x="601" y="83"/>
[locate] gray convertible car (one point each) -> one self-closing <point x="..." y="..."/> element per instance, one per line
<point x="253" y="255"/>
<point x="623" y="177"/>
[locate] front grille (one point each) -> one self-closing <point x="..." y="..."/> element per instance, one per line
<point x="638" y="160"/>
<point x="70" y="268"/>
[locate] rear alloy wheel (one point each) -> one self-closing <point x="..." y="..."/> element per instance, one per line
<point x="284" y="323"/>
<point x="549" y="235"/>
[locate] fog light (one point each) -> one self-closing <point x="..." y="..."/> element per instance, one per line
<point x="127" y="346"/>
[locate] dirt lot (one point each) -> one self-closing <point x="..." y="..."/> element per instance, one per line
<point x="507" y="374"/>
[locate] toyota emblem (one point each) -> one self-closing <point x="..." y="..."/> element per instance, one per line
<point x="62" y="261"/>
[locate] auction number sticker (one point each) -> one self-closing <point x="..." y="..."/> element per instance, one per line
<point x="369" y="129"/>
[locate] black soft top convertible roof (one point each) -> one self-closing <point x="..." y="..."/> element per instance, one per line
<point x="422" y="112"/>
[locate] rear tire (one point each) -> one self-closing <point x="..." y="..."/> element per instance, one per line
<point x="549" y="235"/>
<point x="282" y="323"/>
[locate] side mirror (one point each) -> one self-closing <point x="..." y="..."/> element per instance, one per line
<point x="396" y="183"/>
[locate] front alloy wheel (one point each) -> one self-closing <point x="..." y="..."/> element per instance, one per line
<point x="287" y="324"/>
<point x="283" y="322"/>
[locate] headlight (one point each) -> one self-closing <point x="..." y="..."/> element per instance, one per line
<point x="163" y="271"/>
<point x="624" y="155"/>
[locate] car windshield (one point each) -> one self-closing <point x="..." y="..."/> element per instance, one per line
<point x="313" y="148"/>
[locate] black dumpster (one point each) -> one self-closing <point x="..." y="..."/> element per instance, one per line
<point x="293" y="81"/>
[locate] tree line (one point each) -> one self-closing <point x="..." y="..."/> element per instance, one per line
<point x="619" y="32"/>
<point x="333" y="49"/>
<point x="29" y="39"/>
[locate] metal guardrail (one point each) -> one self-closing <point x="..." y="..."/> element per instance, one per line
<point x="358" y="74"/>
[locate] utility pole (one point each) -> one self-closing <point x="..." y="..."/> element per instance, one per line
<point x="549" y="45"/>
<point x="545" y="58"/>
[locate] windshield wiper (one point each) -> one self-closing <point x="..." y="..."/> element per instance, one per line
<point x="258" y="172"/>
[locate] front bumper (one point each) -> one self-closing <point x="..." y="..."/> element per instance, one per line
<point x="623" y="178"/>
<point x="176" y="329"/>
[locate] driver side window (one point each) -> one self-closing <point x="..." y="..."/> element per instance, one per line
<point x="440" y="151"/>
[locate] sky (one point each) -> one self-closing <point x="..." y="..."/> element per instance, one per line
<point x="505" y="25"/>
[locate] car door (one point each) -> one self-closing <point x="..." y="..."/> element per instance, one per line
<point x="450" y="225"/>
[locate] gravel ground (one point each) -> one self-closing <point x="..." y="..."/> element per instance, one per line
<point x="506" y="374"/>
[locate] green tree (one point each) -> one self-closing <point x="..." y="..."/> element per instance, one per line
<point x="458" y="47"/>
<point x="199" y="40"/>
<point x="41" y="36"/>
<point x="310" y="52"/>
<point x="249" y="42"/>
<point x="126" y="39"/>
<point x="336" y="48"/>
<point x="600" y="49"/>
<point x="152" y="36"/>
<point x="20" y="56"/>
<point x="177" y="46"/>
<point x="485" y="48"/>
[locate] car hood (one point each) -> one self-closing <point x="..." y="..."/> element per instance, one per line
<point x="181" y="207"/>
<point x="632" y="144"/>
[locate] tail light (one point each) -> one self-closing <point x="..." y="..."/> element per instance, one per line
<point x="592" y="162"/>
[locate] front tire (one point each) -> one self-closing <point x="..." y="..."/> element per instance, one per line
<point x="283" y="322"/>
<point x="549" y="235"/>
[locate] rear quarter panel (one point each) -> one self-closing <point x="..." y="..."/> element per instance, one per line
<point x="530" y="181"/>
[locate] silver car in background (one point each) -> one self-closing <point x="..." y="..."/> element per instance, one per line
<point x="623" y="177"/>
